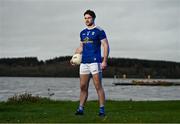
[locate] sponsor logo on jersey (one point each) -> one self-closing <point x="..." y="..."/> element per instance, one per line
<point x="87" y="40"/>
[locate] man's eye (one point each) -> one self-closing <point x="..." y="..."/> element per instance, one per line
<point x="87" y="18"/>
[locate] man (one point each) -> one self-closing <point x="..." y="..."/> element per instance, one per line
<point x="92" y="64"/>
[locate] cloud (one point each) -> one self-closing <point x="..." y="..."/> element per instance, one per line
<point x="135" y="28"/>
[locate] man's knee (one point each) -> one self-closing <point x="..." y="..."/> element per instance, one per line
<point x="83" y="87"/>
<point x="99" y="88"/>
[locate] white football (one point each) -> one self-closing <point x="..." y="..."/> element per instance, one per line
<point x="76" y="59"/>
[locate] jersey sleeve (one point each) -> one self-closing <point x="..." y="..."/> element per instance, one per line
<point x="102" y="35"/>
<point x="81" y="36"/>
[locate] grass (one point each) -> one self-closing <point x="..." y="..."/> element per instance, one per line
<point x="46" y="110"/>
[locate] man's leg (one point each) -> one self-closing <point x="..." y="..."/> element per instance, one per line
<point x="97" y="79"/>
<point x="84" y="84"/>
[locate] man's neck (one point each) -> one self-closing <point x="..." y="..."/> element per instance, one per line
<point x="91" y="27"/>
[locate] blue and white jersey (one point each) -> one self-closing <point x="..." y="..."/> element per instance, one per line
<point x="91" y="39"/>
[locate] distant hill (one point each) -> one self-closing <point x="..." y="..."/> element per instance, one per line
<point x="60" y="67"/>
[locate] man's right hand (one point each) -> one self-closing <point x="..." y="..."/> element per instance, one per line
<point x="78" y="51"/>
<point x="71" y="62"/>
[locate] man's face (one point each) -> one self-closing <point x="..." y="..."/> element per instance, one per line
<point x="88" y="20"/>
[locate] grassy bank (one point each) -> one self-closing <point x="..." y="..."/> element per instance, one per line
<point x="63" y="111"/>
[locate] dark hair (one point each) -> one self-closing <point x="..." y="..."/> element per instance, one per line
<point x="91" y="13"/>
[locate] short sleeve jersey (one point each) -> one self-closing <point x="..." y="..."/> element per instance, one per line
<point x="91" y="39"/>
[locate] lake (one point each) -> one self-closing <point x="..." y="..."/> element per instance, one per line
<point x="68" y="89"/>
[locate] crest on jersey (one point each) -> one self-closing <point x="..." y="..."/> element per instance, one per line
<point x="93" y="33"/>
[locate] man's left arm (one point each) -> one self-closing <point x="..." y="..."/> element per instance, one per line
<point x="106" y="50"/>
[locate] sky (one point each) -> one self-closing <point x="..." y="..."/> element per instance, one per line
<point x="142" y="29"/>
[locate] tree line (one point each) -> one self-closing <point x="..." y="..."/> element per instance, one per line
<point x="60" y="67"/>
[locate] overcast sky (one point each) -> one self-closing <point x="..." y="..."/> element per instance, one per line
<point x="144" y="29"/>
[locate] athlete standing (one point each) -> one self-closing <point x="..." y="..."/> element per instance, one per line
<point x="92" y="38"/>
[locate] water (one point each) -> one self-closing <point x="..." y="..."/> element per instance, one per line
<point x="68" y="89"/>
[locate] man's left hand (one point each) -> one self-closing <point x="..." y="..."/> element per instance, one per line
<point x="104" y="65"/>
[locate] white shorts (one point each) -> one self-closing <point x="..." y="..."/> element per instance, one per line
<point x="90" y="68"/>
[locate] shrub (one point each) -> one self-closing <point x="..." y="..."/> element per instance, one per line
<point x="26" y="97"/>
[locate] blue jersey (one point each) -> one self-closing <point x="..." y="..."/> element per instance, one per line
<point x="91" y="39"/>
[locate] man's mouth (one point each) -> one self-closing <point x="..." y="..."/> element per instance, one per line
<point x="88" y="23"/>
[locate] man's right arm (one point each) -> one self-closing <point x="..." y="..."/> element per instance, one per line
<point x="79" y="49"/>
